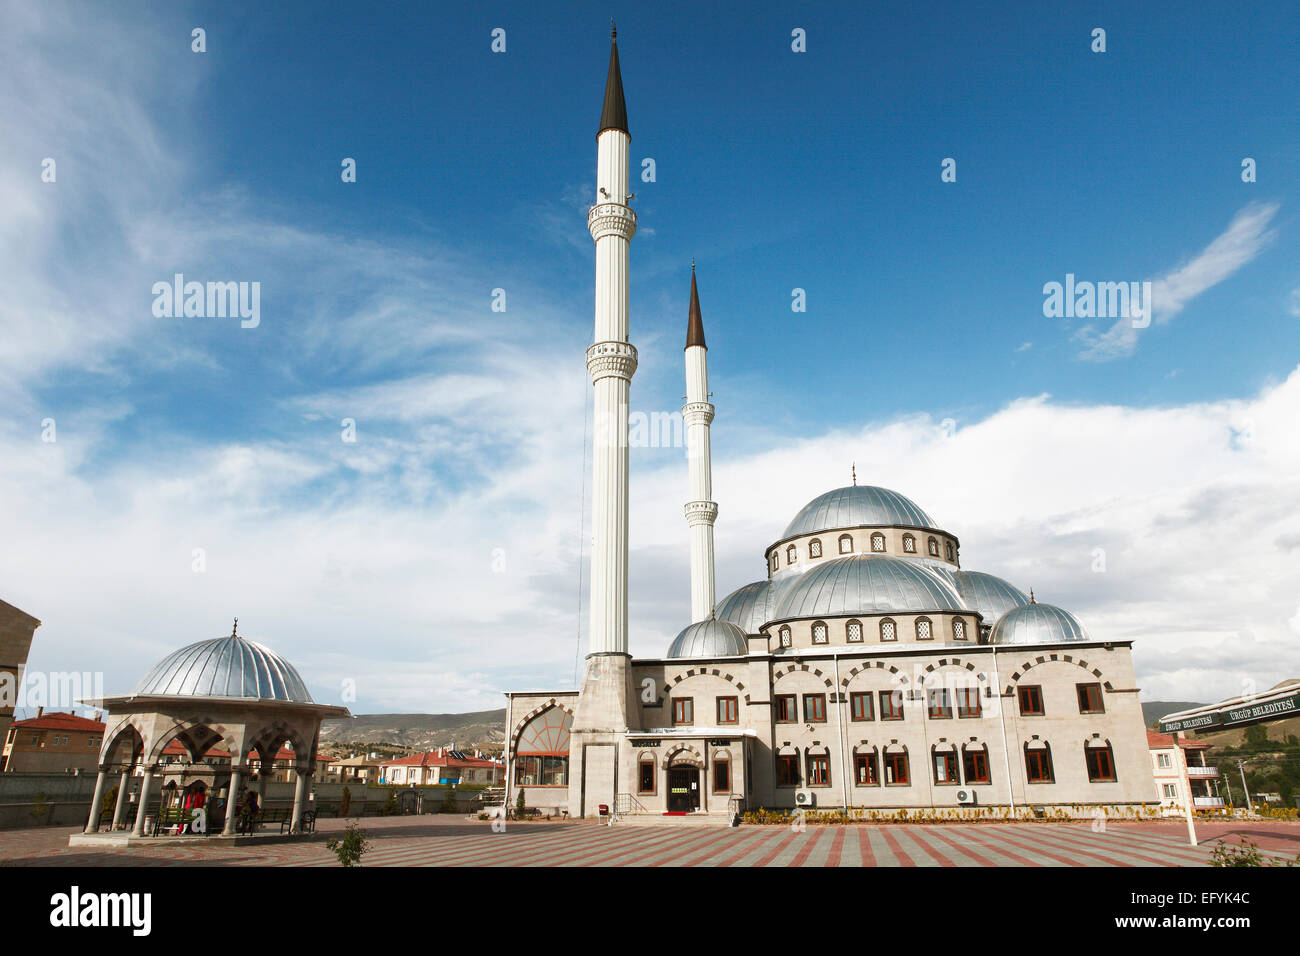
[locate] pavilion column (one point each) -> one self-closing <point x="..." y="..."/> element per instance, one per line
<point x="92" y="823"/>
<point x="232" y="797"/>
<point x="145" y="781"/>
<point x="299" y="798"/>
<point x="123" y="786"/>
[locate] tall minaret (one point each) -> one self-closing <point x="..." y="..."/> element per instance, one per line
<point x="701" y="509"/>
<point x="606" y="696"/>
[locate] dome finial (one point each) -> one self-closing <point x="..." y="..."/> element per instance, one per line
<point x="234" y="631"/>
<point x="1031" y="596"/>
<point x="854" y="468"/>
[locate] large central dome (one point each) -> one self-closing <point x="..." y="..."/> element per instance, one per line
<point x="854" y="506"/>
<point x="867" y="584"/>
<point x="225" y="667"/>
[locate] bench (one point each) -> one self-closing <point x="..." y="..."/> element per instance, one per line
<point x="308" y="821"/>
<point x="172" y="817"/>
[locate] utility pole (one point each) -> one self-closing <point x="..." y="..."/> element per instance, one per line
<point x="1250" y="808"/>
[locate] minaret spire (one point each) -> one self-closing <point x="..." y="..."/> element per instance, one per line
<point x="607" y="696"/>
<point x="701" y="509"/>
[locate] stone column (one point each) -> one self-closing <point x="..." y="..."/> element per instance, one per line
<point x="232" y="795"/>
<point x="92" y="823"/>
<point x="119" y="811"/>
<point x="145" y="781"/>
<point x="299" y="799"/>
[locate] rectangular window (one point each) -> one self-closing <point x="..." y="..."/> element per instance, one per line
<point x="722" y="776"/>
<point x="819" y="770"/>
<point x="1162" y="760"/>
<point x="1090" y="699"/>
<point x="683" y="710"/>
<point x="528" y="771"/>
<point x="976" y="765"/>
<point x="861" y="706"/>
<point x="864" y="769"/>
<point x="727" y="710"/>
<point x="646" y="778"/>
<point x="787" y="710"/>
<point x="945" y="767"/>
<point x="891" y="705"/>
<point x="555" y="771"/>
<point x="968" y="702"/>
<point x="939" y="704"/>
<point x="1031" y="701"/>
<point x="787" y="770"/>
<point x="1101" y="765"/>
<point x="1038" y="765"/>
<point x="814" y="708"/>
<point x="1171" y="791"/>
<point x="896" y="769"/>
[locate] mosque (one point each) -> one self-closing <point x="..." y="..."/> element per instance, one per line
<point x="867" y="670"/>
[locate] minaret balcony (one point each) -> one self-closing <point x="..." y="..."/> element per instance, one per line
<point x="697" y="413"/>
<point x="611" y="359"/>
<point x="611" y="219"/>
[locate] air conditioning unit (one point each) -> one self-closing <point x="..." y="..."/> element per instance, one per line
<point x="804" y="798"/>
<point x="966" y="796"/>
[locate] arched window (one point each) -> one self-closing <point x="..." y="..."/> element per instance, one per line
<point x="933" y="545"/>
<point x="791" y="555"/>
<point x="1101" y="761"/>
<point x="866" y="772"/>
<point x="975" y="763"/>
<point x="776" y="560"/>
<point x="815" y="548"/>
<point x="877" y="542"/>
<point x="958" y="629"/>
<point x="853" y="631"/>
<point x="542" y="753"/>
<point x="785" y="637"/>
<point x="923" y="629"/>
<point x="909" y="543"/>
<point x="819" y="632"/>
<point x="722" y="773"/>
<point x="888" y="630"/>
<point x="945" y="765"/>
<point x="1038" y="762"/>
<point x="645" y="773"/>
<point x="950" y="551"/>
<point x="846" y="544"/>
<point x="897" y="773"/>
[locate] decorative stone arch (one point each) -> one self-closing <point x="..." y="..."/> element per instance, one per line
<point x="671" y="683"/>
<point x="126" y="731"/>
<point x="197" y="735"/>
<point x="866" y="666"/>
<point x="1061" y="658"/>
<point x="684" y="755"/>
<point x="798" y="668"/>
<point x="536" y="712"/>
<point x="268" y="739"/>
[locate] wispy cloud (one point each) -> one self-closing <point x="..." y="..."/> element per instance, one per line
<point x="1246" y="236"/>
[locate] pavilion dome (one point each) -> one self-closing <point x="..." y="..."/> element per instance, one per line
<point x="867" y="584"/>
<point x="855" y="506"/>
<point x="228" y="667"/>
<point x="1038" y="624"/>
<point x="711" y="638"/>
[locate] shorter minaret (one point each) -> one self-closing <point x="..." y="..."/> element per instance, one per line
<point x="701" y="509"/>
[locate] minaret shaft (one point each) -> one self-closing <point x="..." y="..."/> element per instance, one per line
<point x="701" y="509"/>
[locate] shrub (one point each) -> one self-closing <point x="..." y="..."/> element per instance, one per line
<point x="350" y="848"/>
<point x="390" y="805"/>
<point x="520" y="806"/>
<point x="1245" y="853"/>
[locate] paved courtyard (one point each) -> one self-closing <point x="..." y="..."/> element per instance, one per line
<point x="442" y="841"/>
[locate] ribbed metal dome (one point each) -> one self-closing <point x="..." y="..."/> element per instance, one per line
<point x="1038" y="624"/>
<point x="752" y="606"/>
<point x="867" y="584"/>
<point x="988" y="594"/>
<point x="711" y="638"/>
<point x="857" y="505"/>
<point x="226" y="667"/>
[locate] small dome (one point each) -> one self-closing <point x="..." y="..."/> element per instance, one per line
<point x="711" y="638"/>
<point x="752" y="606"/>
<point x="867" y="584"/>
<point x="226" y="667"/>
<point x="854" y="506"/>
<point x="1038" y="624"/>
<point x="988" y="594"/>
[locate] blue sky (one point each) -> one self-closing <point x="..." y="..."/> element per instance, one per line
<point x="775" y="170"/>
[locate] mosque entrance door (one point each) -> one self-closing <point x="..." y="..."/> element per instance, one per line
<point x="683" y="789"/>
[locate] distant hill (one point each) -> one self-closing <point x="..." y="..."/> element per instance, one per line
<point x="1152" y="711"/>
<point x="419" y="731"/>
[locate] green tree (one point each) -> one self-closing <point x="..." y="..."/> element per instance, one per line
<point x="390" y="805"/>
<point x="519" y="805"/>
<point x="1257" y="737"/>
<point x="351" y="847"/>
<point x="345" y="802"/>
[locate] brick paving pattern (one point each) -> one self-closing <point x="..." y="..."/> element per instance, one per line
<point x="435" y="841"/>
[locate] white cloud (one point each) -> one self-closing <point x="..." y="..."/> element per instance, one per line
<point x="1246" y="236"/>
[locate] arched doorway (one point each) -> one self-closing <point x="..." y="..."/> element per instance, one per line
<point x="683" y="788"/>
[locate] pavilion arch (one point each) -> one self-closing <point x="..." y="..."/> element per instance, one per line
<point x="195" y="734"/>
<point x="126" y="734"/>
<point x="1057" y="658"/>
